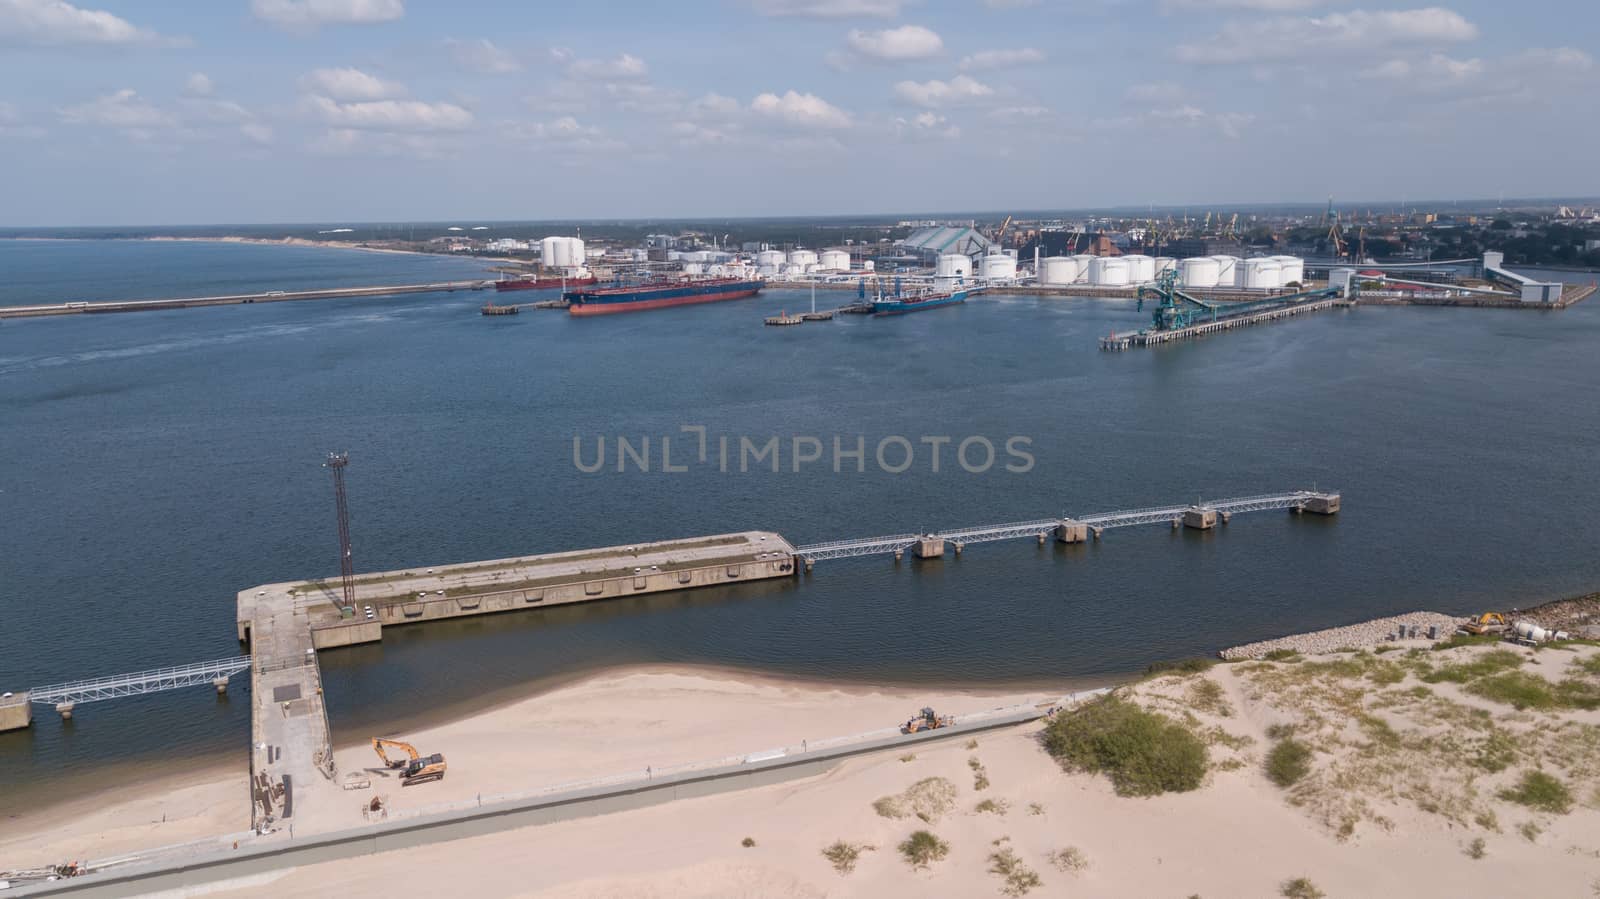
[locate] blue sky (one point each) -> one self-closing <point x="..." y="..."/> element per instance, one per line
<point x="120" y="112"/>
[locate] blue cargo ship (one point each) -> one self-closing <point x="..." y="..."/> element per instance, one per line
<point x="658" y="295"/>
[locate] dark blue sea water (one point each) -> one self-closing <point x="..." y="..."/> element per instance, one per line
<point x="154" y="464"/>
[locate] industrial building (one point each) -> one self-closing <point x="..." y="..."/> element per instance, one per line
<point x="931" y="243"/>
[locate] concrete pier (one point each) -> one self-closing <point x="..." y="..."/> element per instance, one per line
<point x="1200" y="518"/>
<point x="930" y="548"/>
<point x="271" y="296"/>
<point x="65" y="710"/>
<point x="1323" y="505"/>
<point x="16" y="711"/>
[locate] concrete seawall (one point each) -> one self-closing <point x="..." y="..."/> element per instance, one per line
<point x="281" y="855"/>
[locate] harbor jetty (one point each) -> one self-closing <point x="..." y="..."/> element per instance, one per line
<point x="270" y="296"/>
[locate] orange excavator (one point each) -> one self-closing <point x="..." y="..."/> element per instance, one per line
<point x="1487" y="623"/>
<point x="415" y="768"/>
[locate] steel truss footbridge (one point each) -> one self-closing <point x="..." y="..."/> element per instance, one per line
<point x="1044" y="527"/>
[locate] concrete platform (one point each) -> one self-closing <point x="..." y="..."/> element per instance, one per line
<point x="16" y="711"/>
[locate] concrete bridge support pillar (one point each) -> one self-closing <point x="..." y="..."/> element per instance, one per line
<point x="221" y="684"/>
<point x="1199" y="518"/>
<point x="1097" y="532"/>
<point x="930" y="548"/>
<point x="1069" y="531"/>
<point x="959" y="547"/>
<point x="65" y="708"/>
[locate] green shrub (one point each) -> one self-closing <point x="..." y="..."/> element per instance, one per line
<point x="1143" y="753"/>
<point x="926" y="799"/>
<point x="1288" y="761"/>
<point x="1019" y="877"/>
<point x="1475" y="849"/>
<point x="1492" y="662"/>
<point x="1541" y="791"/>
<point x="1457" y="640"/>
<point x="1497" y="751"/>
<point x="992" y="806"/>
<point x="1207" y="696"/>
<point x="1590" y="665"/>
<point x="1283" y="655"/>
<point x="1518" y="689"/>
<point x="1280" y="731"/>
<point x="1300" y="888"/>
<point x="844" y="855"/>
<point x="747" y="842"/>
<point x="1179" y="666"/>
<point x="1068" y="859"/>
<point x="922" y="849"/>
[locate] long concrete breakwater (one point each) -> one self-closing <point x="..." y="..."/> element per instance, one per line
<point x="270" y="296"/>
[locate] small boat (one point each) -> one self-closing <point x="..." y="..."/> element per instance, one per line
<point x="901" y="304"/>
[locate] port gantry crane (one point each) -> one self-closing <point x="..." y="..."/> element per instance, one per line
<point x="1179" y="309"/>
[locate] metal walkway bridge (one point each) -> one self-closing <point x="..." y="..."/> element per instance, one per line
<point x="1041" y="528"/>
<point x="138" y="683"/>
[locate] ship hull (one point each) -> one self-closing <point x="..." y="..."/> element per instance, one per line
<point x="541" y="283"/>
<point x="902" y="307"/>
<point x="585" y="304"/>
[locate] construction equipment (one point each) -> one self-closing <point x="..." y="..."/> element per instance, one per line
<point x="926" y="720"/>
<point x="415" y="768"/>
<point x="1487" y="623"/>
<point x="1002" y="232"/>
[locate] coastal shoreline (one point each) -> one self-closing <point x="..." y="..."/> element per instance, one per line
<point x="278" y="242"/>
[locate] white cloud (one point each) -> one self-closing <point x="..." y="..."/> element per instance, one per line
<point x="391" y="115"/>
<point x="1434" y="70"/>
<point x="907" y="42"/>
<point x="924" y="125"/>
<point x="53" y="23"/>
<point x="198" y="85"/>
<point x="121" y="109"/>
<point x="483" y="56"/>
<point x="217" y="111"/>
<point x="310" y="14"/>
<point x="1255" y="5"/>
<point x="621" y="68"/>
<point x="714" y="105"/>
<point x="1019" y="113"/>
<point x="1000" y="59"/>
<point x="1010" y="4"/>
<point x="691" y="134"/>
<point x="960" y="89"/>
<point x="831" y="9"/>
<point x="808" y="110"/>
<point x="256" y="132"/>
<point x="1355" y="31"/>
<point x="1155" y="92"/>
<point x="350" y="84"/>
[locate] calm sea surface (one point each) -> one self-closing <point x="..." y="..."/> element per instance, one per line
<point x="154" y="464"/>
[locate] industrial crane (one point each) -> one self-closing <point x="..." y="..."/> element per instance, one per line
<point x="1002" y="232"/>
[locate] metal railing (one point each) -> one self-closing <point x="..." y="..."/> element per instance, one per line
<point x="138" y="683"/>
<point x="869" y="546"/>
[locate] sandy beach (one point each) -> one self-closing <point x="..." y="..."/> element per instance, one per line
<point x="1398" y="798"/>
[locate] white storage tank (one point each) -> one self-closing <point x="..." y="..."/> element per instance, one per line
<point x="1084" y="261"/>
<point x="794" y="268"/>
<point x="1293" y="269"/>
<point x="834" y="260"/>
<point x="954" y="265"/>
<point x="1201" y="271"/>
<point x="1228" y="271"/>
<point x="1261" y="274"/>
<point x="868" y="265"/>
<point x="803" y="257"/>
<point x="1059" y="270"/>
<point x="811" y="269"/>
<point x="1165" y="264"/>
<point x="999" y="267"/>
<point x="1108" y="271"/>
<point x="770" y="258"/>
<point x="1140" y="268"/>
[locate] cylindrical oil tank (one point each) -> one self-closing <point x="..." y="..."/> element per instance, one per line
<point x="773" y="258"/>
<point x="1165" y="264"/>
<point x="954" y="265"/>
<point x="1108" y="271"/>
<point x="1084" y="261"/>
<point x="1261" y="274"/>
<point x="868" y="265"/>
<point x="1201" y="271"/>
<point x="812" y="268"/>
<point x="1140" y="268"/>
<point x="803" y="257"/>
<point x="1059" y="270"/>
<point x="1293" y="269"/>
<point x="999" y="267"/>
<point x="548" y="254"/>
<point x="1228" y="271"/>
<point x="793" y="268"/>
<point x="834" y="260"/>
<point x="576" y="255"/>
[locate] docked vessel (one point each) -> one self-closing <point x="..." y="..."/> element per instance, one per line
<point x="658" y="295"/>
<point x="536" y="283"/>
<point x="900" y="304"/>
